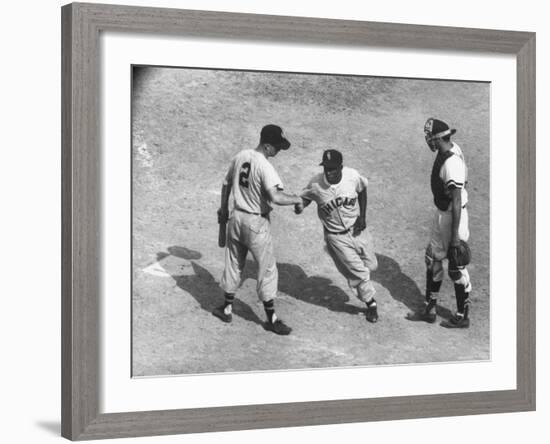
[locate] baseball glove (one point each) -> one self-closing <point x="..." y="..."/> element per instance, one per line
<point x="459" y="256"/>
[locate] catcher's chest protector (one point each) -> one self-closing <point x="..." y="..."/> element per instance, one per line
<point x="441" y="198"/>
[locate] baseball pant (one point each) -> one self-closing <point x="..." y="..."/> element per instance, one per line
<point x="250" y="232"/>
<point x="440" y="240"/>
<point x="354" y="258"/>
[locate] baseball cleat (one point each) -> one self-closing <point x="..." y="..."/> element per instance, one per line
<point x="372" y="314"/>
<point x="458" y="321"/>
<point x="429" y="315"/>
<point x="430" y="318"/>
<point x="278" y="327"/>
<point x="220" y="314"/>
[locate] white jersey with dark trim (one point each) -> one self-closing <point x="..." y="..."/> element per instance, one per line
<point x="337" y="204"/>
<point x="454" y="173"/>
<point x="251" y="175"/>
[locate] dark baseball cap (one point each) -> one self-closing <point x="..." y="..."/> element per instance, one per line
<point x="273" y="135"/>
<point x="436" y="128"/>
<point x="332" y="159"/>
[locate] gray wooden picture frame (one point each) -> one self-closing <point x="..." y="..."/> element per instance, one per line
<point x="81" y="174"/>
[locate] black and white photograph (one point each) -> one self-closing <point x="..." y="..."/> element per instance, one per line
<point x="274" y="222"/>
<point x="287" y="221"/>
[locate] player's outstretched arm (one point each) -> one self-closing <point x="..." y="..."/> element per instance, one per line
<point x="279" y="197"/>
<point x="299" y="207"/>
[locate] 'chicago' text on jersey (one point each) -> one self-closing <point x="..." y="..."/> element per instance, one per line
<point x="347" y="202"/>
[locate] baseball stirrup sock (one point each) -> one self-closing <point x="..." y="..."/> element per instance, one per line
<point x="228" y="303"/>
<point x="371" y="303"/>
<point x="269" y="307"/>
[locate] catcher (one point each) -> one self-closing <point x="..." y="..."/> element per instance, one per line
<point x="449" y="233"/>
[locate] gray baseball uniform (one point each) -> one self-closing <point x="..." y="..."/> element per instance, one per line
<point x="338" y="209"/>
<point x="450" y="223"/>
<point x="450" y="172"/>
<point x="250" y="175"/>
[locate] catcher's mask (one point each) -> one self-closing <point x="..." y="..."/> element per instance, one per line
<point x="435" y="129"/>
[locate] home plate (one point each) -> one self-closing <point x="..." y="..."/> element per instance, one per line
<point x="156" y="269"/>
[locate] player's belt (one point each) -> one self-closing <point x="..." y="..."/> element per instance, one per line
<point x="266" y="215"/>
<point x="338" y="232"/>
<point x="451" y="208"/>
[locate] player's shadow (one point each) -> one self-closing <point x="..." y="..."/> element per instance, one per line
<point x="315" y="290"/>
<point x="202" y="285"/>
<point x="293" y="281"/>
<point x="402" y="288"/>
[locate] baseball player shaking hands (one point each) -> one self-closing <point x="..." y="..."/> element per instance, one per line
<point x="341" y="197"/>
<point x="449" y="232"/>
<point x="253" y="185"/>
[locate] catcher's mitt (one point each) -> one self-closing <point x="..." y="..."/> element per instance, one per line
<point x="460" y="255"/>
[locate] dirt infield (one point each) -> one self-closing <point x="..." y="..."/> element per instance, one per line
<point x="187" y="124"/>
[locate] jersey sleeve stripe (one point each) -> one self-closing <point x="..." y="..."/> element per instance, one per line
<point x="454" y="183"/>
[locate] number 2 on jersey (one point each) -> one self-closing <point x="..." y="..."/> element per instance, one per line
<point x="243" y="176"/>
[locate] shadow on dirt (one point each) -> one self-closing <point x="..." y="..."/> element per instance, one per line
<point x="315" y="290"/>
<point x="402" y="288"/>
<point x="204" y="287"/>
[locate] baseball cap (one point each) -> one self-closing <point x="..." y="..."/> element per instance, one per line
<point x="274" y="135"/>
<point x="436" y="128"/>
<point x="332" y="159"/>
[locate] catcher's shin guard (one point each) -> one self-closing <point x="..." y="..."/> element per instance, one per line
<point x="461" y="276"/>
<point x="432" y="292"/>
<point x="432" y="287"/>
<point x="462" y="300"/>
<point x="462" y="317"/>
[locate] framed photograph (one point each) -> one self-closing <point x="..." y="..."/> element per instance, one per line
<point x="283" y="221"/>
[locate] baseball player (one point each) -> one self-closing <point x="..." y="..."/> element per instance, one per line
<point x="253" y="185"/>
<point x="450" y="223"/>
<point x="341" y="197"/>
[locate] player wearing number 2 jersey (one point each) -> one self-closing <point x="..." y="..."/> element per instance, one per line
<point x="341" y="197"/>
<point x="252" y="185"/>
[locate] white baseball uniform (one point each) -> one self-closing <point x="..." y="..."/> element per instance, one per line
<point x="338" y="209"/>
<point x="250" y="175"/>
<point x="449" y="172"/>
